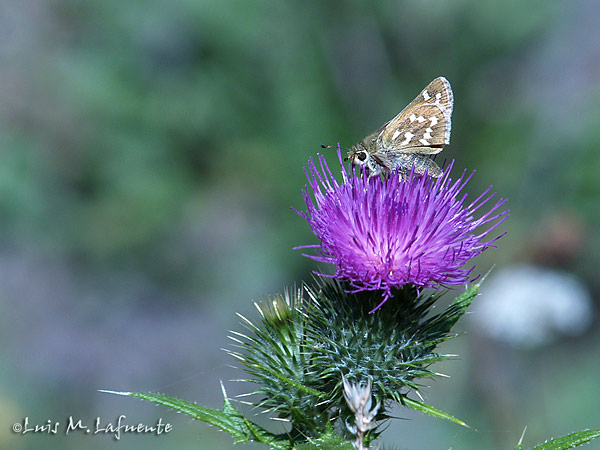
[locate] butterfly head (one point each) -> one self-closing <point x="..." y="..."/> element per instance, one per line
<point x="359" y="156"/>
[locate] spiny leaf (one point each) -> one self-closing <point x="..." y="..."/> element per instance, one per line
<point x="569" y="441"/>
<point x="428" y="409"/>
<point x="444" y="322"/>
<point x="520" y="444"/>
<point x="228" y="419"/>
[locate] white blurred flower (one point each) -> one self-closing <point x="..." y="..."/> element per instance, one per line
<point x="528" y="306"/>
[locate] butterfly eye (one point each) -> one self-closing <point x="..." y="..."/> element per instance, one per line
<point x="362" y="156"/>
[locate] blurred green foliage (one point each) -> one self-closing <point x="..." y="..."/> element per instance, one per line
<point x="168" y="138"/>
<point x="132" y="114"/>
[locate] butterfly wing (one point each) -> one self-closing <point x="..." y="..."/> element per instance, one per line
<point x="424" y="125"/>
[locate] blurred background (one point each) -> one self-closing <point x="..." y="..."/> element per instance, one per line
<point x="149" y="156"/>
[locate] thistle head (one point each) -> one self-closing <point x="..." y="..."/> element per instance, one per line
<point x="385" y="233"/>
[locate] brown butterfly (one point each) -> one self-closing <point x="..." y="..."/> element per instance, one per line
<point x="421" y="129"/>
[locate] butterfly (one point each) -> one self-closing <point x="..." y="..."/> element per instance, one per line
<point x="421" y="129"/>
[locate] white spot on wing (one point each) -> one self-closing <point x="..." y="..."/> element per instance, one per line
<point x="426" y="95"/>
<point x="408" y="135"/>
<point x="412" y="117"/>
<point x="434" y="121"/>
<point x="396" y="134"/>
<point x="423" y="141"/>
<point x="421" y="119"/>
<point x="427" y="134"/>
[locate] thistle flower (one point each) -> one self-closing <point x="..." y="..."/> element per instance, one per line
<point x="384" y="233"/>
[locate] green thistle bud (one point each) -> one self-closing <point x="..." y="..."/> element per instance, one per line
<point x="307" y="341"/>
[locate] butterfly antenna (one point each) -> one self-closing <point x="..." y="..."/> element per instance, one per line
<point x="334" y="146"/>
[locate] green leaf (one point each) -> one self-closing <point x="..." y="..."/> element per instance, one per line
<point x="428" y="409"/>
<point x="569" y="441"/>
<point x="228" y="419"/>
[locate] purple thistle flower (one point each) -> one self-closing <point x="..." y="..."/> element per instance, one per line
<point x="386" y="233"/>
